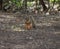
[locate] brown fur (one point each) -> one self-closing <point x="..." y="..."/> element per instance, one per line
<point x="28" y="25"/>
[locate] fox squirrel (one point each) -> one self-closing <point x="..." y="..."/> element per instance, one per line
<point x="28" y="24"/>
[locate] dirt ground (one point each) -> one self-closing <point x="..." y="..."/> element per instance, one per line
<point x="13" y="35"/>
